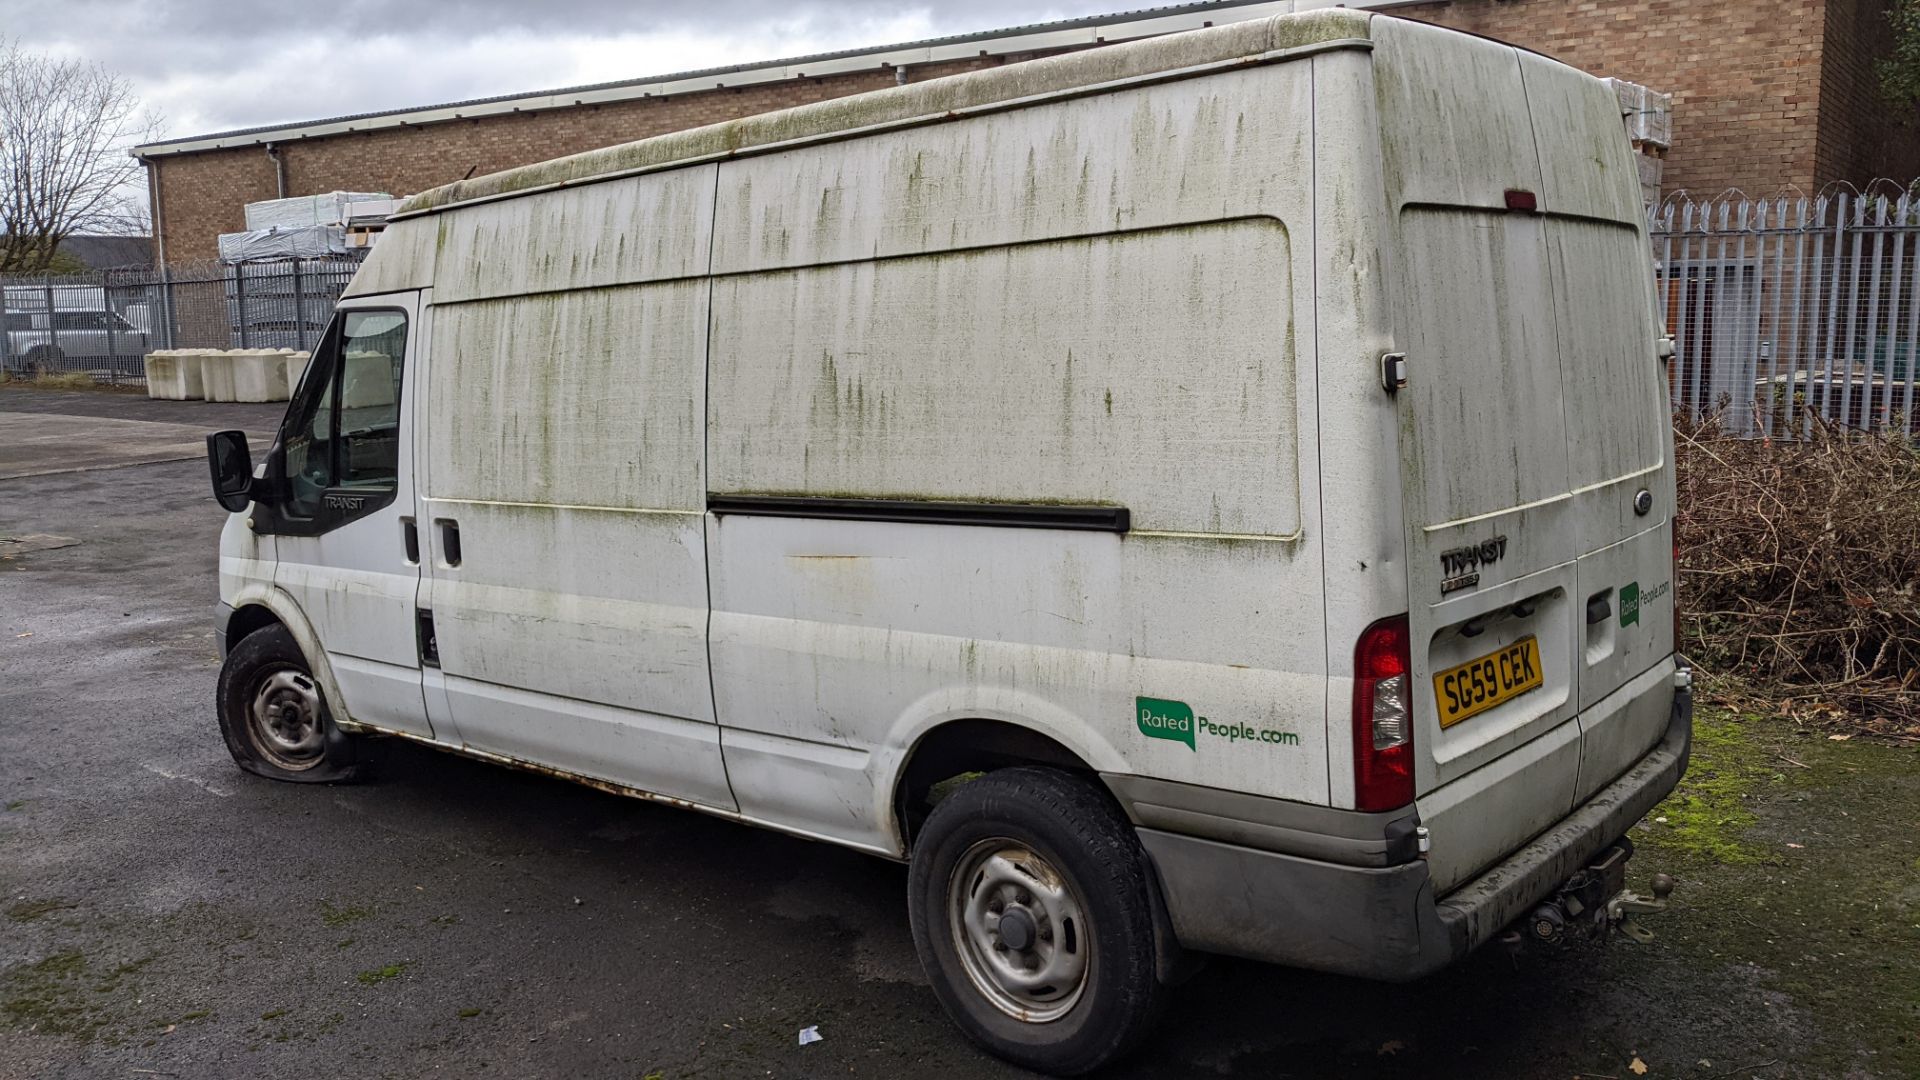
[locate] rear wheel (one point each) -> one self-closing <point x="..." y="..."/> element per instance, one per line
<point x="44" y="360"/>
<point x="274" y="717"/>
<point x="1030" y="901"/>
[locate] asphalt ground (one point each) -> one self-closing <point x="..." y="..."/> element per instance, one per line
<point x="169" y="915"/>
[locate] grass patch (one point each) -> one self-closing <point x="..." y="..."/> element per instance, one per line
<point x="376" y="976"/>
<point x="273" y="1014"/>
<point x="69" y="380"/>
<point x="66" y="380"/>
<point x="469" y="1013"/>
<point x="17" y="804"/>
<point x="343" y="915"/>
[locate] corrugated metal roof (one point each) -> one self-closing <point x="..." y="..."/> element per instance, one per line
<point x="1014" y="39"/>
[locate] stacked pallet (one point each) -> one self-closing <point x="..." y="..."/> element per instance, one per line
<point x="1648" y="115"/>
<point x="308" y="226"/>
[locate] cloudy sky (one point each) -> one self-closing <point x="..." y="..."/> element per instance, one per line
<point x="212" y="65"/>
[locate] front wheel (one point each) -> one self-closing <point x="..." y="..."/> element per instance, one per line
<point x="1030" y="901"/>
<point x="273" y="716"/>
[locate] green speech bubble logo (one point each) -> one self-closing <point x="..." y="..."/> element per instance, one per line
<point x="1629" y="604"/>
<point x="1164" y="719"/>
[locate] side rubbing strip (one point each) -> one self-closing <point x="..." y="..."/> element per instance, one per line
<point x="1114" y="519"/>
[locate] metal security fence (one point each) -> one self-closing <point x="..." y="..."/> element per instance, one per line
<point x="1789" y="311"/>
<point x="103" y="324"/>
<point x="1784" y="312"/>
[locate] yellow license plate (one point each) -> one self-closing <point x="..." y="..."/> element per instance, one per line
<point x="1479" y="685"/>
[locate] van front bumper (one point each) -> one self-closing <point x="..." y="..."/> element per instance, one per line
<point x="1375" y="921"/>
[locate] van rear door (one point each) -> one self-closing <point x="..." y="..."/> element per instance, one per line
<point x="1619" y="434"/>
<point x="1529" y="422"/>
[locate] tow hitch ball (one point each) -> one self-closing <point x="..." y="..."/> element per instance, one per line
<point x="1592" y="904"/>
<point x="1624" y="906"/>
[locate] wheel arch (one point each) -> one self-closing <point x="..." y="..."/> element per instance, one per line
<point x="248" y="619"/>
<point x="971" y="744"/>
<point x="260" y="605"/>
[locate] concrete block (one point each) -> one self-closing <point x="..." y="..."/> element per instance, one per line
<point x="258" y="374"/>
<point x="296" y="365"/>
<point x="191" y="372"/>
<point x="368" y="381"/>
<point x="173" y="375"/>
<point x="216" y="375"/>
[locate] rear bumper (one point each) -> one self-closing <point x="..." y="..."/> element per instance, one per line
<point x="1383" y="921"/>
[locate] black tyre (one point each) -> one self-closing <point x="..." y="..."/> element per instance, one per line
<point x="43" y="360"/>
<point x="274" y="716"/>
<point x="1029" y="895"/>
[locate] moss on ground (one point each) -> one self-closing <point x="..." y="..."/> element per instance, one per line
<point x="343" y="914"/>
<point x="28" y="910"/>
<point x="48" y="996"/>
<point x="1799" y="856"/>
<point x="1707" y="818"/>
<point x="375" y="976"/>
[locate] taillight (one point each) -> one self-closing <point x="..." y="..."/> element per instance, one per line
<point x="1383" y="716"/>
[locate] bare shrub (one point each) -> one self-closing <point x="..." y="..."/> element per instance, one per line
<point x="1799" y="562"/>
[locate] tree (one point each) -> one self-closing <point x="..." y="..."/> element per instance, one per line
<point x="1900" y="72"/>
<point x="64" y="129"/>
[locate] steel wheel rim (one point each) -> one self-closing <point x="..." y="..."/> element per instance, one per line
<point x="286" y="719"/>
<point x="1020" y="930"/>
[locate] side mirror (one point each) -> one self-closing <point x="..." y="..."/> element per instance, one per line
<point x="232" y="466"/>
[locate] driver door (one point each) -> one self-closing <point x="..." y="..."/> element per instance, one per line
<point x="349" y="549"/>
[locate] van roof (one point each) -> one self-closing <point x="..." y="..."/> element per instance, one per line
<point x="1304" y="32"/>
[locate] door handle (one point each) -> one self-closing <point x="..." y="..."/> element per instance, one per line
<point x="1599" y="608"/>
<point x="410" y="539"/>
<point x="449" y="541"/>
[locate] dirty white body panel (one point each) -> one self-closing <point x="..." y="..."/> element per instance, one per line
<point x="943" y="314"/>
<point x="565" y="437"/>
<point x="1157" y="277"/>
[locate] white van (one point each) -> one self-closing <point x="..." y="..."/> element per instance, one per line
<point x="1205" y="494"/>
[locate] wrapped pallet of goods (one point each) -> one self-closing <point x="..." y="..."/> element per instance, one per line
<point x="1648" y="116"/>
<point x="305" y="210"/>
<point x="296" y="242"/>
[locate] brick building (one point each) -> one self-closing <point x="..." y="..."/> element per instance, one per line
<point x="1767" y="94"/>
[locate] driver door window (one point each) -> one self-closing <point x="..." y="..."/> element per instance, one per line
<point x="343" y="436"/>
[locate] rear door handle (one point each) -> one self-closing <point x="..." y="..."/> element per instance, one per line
<point x="449" y="541"/>
<point x="410" y="538"/>
<point x="1599" y="608"/>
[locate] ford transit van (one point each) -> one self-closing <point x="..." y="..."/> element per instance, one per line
<point x="1206" y="495"/>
